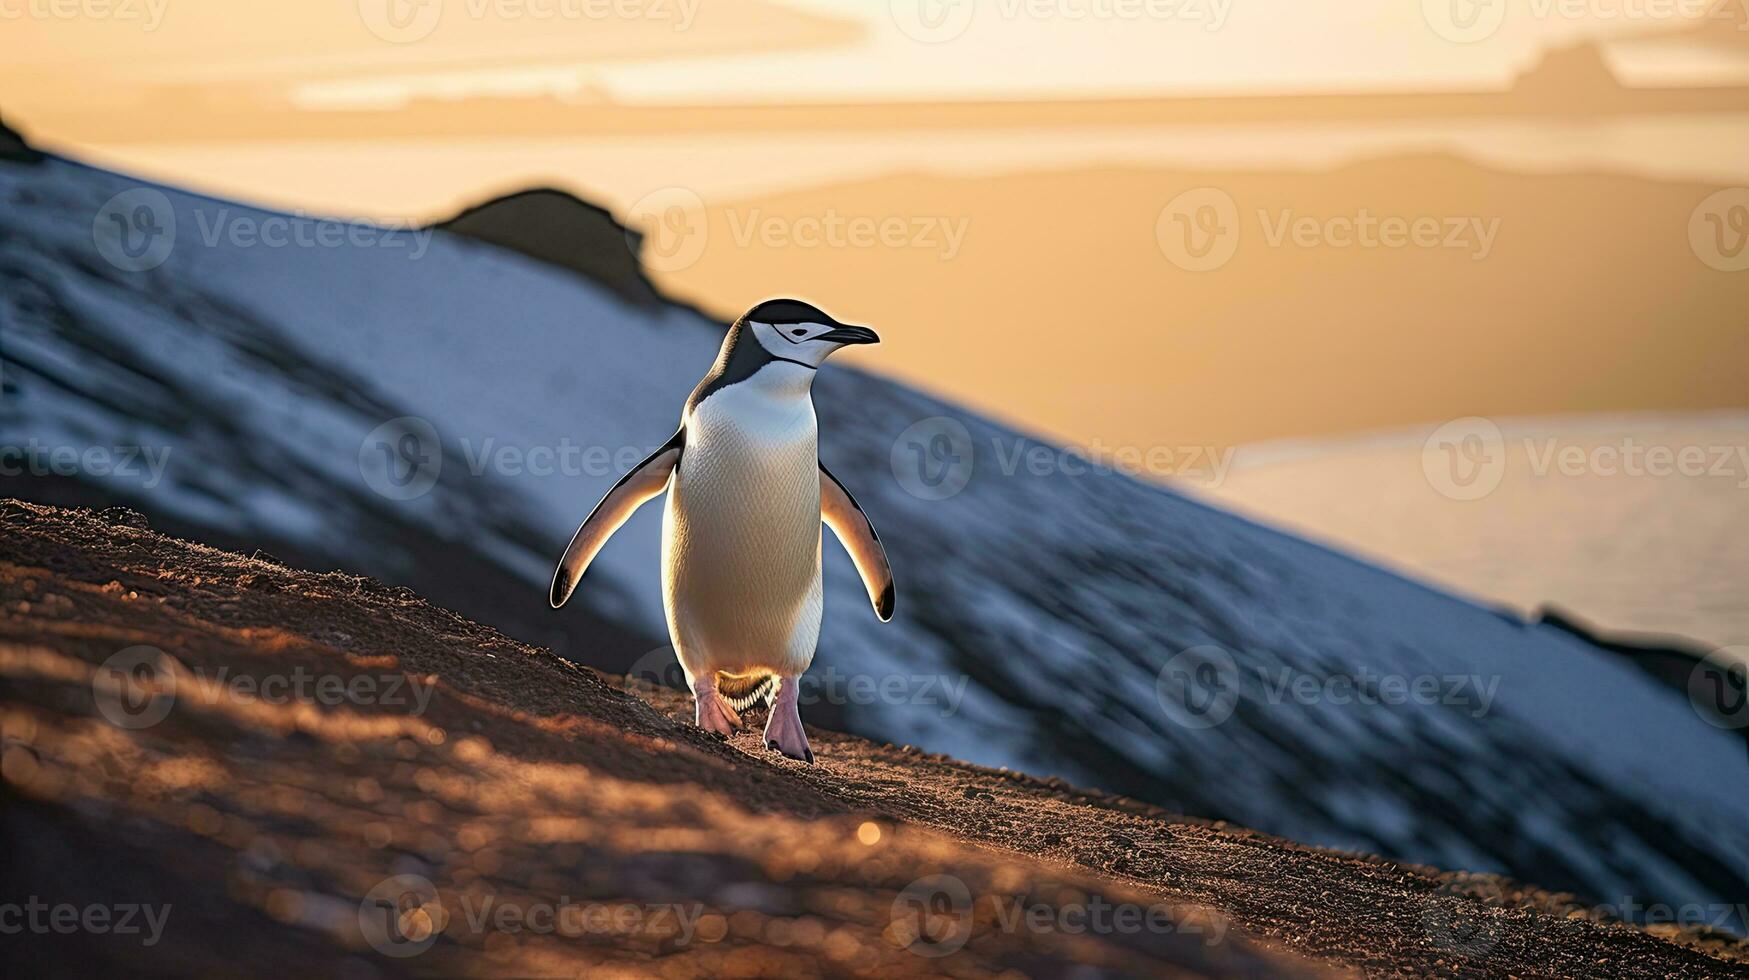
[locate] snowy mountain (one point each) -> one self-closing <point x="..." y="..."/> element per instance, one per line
<point x="441" y="413"/>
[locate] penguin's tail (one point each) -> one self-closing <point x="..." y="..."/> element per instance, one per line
<point x="743" y="691"/>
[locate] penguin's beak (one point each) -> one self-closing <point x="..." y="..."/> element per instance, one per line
<point x="851" y="335"/>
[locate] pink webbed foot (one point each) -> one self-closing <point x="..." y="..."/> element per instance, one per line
<point x="783" y="730"/>
<point x="713" y="713"/>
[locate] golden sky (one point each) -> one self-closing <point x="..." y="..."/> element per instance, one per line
<point x="372" y="52"/>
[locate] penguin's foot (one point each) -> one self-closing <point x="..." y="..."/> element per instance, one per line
<point x="783" y="730"/>
<point x="713" y="713"/>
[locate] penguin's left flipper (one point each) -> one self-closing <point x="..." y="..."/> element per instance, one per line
<point x="645" y="482"/>
<point x="842" y="514"/>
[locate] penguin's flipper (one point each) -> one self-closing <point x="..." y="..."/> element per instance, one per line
<point x="646" y="481"/>
<point x="842" y="514"/>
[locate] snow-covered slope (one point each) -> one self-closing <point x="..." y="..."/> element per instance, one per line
<point x="1055" y="618"/>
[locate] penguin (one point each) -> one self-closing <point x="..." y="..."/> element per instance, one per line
<point x="741" y="527"/>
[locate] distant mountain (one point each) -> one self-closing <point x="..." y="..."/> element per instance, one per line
<point x="13" y="148"/>
<point x="1577" y="74"/>
<point x="563" y="230"/>
<point x="441" y="416"/>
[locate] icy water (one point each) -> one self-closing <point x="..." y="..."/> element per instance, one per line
<point x="1586" y="514"/>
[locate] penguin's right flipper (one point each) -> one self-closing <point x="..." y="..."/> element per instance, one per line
<point x="645" y="482"/>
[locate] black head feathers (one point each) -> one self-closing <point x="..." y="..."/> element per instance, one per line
<point x="778" y="311"/>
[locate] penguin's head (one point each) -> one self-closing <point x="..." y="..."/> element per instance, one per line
<point x="791" y="330"/>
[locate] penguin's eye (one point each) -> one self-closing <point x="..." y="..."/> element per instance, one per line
<point x="798" y="332"/>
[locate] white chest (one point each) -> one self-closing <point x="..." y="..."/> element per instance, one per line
<point x="746" y="495"/>
<point x="741" y="541"/>
<point x="767" y="419"/>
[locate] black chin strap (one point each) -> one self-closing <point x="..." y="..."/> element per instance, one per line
<point x="790" y="360"/>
